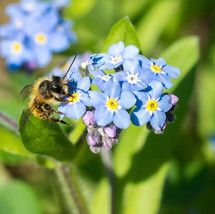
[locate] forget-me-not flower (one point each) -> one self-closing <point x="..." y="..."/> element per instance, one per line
<point x="157" y="69"/>
<point x="132" y="77"/>
<point x="77" y="101"/>
<point x="151" y="106"/>
<point x="115" y="56"/>
<point x="111" y="105"/>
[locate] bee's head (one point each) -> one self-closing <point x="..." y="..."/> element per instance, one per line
<point x="57" y="87"/>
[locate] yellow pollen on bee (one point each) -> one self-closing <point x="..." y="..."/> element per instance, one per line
<point x="152" y="105"/>
<point x="112" y="104"/>
<point x="74" y="97"/>
<point x="17" y="47"/>
<point x="40" y="38"/>
<point x="156" y="68"/>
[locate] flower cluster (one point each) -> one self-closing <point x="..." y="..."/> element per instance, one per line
<point x="35" y="31"/>
<point x="133" y="93"/>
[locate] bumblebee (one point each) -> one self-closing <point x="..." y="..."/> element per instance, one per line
<point x="44" y="92"/>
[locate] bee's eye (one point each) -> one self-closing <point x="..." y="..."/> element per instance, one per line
<point x="54" y="86"/>
<point x="47" y="107"/>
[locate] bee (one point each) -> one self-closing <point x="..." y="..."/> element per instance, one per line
<point x="44" y="92"/>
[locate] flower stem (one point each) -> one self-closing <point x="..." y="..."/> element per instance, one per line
<point x="72" y="194"/>
<point x="108" y="163"/>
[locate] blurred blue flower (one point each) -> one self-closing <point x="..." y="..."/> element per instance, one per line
<point x="15" y="52"/>
<point x="42" y="28"/>
<point x="60" y="3"/>
<point x="117" y="54"/>
<point x="151" y="106"/>
<point x="111" y="105"/>
<point x="132" y="78"/>
<point x="77" y="102"/>
<point x="158" y="70"/>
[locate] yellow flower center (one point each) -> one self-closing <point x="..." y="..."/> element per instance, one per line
<point x="112" y="104"/>
<point x="17" y="47"/>
<point x="156" y="68"/>
<point x="152" y="105"/>
<point x="40" y="38"/>
<point x="74" y="97"/>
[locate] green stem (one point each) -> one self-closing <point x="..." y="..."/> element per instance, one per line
<point x="108" y="163"/>
<point x="70" y="189"/>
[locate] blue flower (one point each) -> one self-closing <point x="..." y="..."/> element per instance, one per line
<point x="117" y="54"/>
<point x="15" y="52"/>
<point x="60" y="3"/>
<point x="101" y="79"/>
<point x="159" y="70"/>
<point x="111" y="105"/>
<point x="132" y="78"/>
<point x="151" y="106"/>
<point x="77" y="102"/>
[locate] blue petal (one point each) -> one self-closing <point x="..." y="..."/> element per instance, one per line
<point x="159" y="62"/>
<point x="140" y="116"/>
<point x="59" y="42"/>
<point x="165" y="80"/>
<point x="97" y="98"/>
<point x="75" y="110"/>
<point x="85" y="98"/>
<point x="143" y="61"/>
<point x="130" y="51"/>
<point x="116" y="49"/>
<point x="115" y="90"/>
<point x="173" y="72"/>
<point x="121" y="119"/>
<point x="158" y="119"/>
<point x="62" y="108"/>
<point x="43" y="55"/>
<point x="127" y="100"/>
<point x="83" y="85"/>
<point x="165" y="103"/>
<point x="103" y="116"/>
<point x="121" y="76"/>
<point x="130" y="66"/>
<point x="142" y="97"/>
<point x="97" y="73"/>
<point x="156" y="89"/>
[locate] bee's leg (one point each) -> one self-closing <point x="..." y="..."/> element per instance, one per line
<point x="57" y="120"/>
<point x="58" y="112"/>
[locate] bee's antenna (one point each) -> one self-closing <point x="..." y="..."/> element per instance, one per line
<point x="70" y="65"/>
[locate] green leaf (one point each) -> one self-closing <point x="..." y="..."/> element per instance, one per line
<point x="12" y="144"/>
<point x="144" y="154"/>
<point x="124" y="31"/>
<point x="17" y="197"/>
<point x="152" y="25"/>
<point x="45" y="137"/>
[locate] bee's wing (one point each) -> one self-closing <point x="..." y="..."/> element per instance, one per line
<point x="26" y="91"/>
<point x="25" y="115"/>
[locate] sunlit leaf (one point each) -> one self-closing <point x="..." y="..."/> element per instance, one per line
<point x="45" y="137"/>
<point x="124" y="31"/>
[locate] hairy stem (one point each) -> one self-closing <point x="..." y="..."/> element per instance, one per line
<point x="72" y="194"/>
<point x="9" y="122"/>
<point x="108" y="163"/>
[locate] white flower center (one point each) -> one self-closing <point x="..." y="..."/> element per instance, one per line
<point x="16" y="47"/>
<point x="115" y="60"/>
<point x="18" y="23"/>
<point x="105" y="77"/>
<point x="40" y="38"/>
<point x="133" y="79"/>
<point x="84" y="64"/>
<point x="29" y="6"/>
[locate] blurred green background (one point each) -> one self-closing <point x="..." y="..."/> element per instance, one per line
<point x="173" y="173"/>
